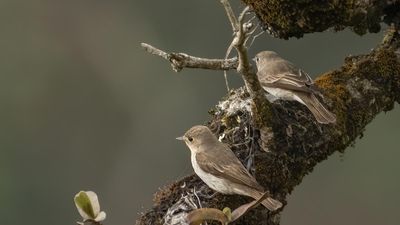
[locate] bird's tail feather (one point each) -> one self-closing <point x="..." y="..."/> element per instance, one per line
<point x="269" y="203"/>
<point x="321" y="114"/>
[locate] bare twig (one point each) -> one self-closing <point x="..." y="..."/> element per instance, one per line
<point x="181" y="60"/>
<point x="235" y="28"/>
<point x="231" y="15"/>
<point x="242" y="15"/>
<point x="226" y="81"/>
<point x="228" y="51"/>
<point x="255" y="37"/>
<point x="238" y="42"/>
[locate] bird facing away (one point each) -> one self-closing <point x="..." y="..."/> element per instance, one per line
<point x="216" y="164"/>
<point x="284" y="80"/>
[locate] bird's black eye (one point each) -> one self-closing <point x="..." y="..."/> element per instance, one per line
<point x="190" y="139"/>
<point x="257" y="59"/>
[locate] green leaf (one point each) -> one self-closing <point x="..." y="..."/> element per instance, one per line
<point x="228" y="213"/>
<point x="84" y="205"/>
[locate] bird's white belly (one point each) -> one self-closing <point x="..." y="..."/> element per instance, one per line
<point x="283" y="94"/>
<point x="212" y="181"/>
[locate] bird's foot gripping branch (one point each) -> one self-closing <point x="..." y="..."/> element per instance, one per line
<point x="269" y="138"/>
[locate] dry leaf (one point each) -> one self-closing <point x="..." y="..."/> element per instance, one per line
<point x="196" y="217"/>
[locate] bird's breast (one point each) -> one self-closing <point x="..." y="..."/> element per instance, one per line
<point x="215" y="183"/>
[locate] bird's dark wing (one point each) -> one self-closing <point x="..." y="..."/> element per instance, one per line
<point x="223" y="163"/>
<point x="283" y="74"/>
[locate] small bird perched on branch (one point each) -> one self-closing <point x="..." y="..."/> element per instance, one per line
<point x="284" y="80"/>
<point x="216" y="164"/>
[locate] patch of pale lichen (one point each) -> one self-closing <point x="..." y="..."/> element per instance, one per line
<point x="294" y="18"/>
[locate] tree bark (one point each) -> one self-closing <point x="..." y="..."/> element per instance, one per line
<point x="294" y="18"/>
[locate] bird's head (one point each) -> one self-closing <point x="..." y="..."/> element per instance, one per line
<point x="198" y="137"/>
<point x="264" y="57"/>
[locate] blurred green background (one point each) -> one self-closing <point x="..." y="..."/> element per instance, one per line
<point x="83" y="107"/>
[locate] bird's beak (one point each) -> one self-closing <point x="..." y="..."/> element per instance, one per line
<point x="180" y="138"/>
<point x="254" y="59"/>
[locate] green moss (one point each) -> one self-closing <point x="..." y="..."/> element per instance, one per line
<point x="294" y="18"/>
<point x="264" y="118"/>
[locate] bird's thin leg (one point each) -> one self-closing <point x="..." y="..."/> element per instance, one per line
<point x="204" y="192"/>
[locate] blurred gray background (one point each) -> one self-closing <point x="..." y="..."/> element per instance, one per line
<point x="83" y="107"/>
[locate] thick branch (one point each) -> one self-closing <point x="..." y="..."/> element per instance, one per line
<point x="182" y="60"/>
<point x="294" y="18"/>
<point x="363" y="87"/>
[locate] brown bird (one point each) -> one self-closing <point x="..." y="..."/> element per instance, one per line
<point x="216" y="164"/>
<point x="284" y="80"/>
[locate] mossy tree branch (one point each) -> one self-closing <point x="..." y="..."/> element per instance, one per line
<point x="294" y="18"/>
<point x="363" y="87"/>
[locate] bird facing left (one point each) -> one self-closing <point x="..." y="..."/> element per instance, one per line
<point x="216" y="164"/>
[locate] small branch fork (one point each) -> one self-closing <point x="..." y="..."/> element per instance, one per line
<point x="242" y="32"/>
